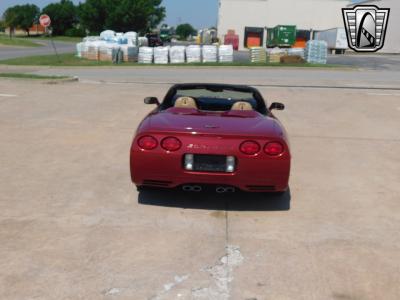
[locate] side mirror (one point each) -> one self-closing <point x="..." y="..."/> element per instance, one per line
<point x="151" y="100"/>
<point x="277" y="106"/>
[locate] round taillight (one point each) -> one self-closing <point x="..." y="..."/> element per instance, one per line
<point x="171" y="144"/>
<point x="250" y="147"/>
<point x="147" y="142"/>
<point x="273" y="148"/>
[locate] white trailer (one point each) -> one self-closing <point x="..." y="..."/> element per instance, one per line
<point x="335" y="37"/>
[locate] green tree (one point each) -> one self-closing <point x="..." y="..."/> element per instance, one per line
<point x="21" y="16"/>
<point x="185" y="30"/>
<point x="121" y="15"/>
<point x="10" y="19"/>
<point x="63" y="16"/>
<point x="2" y="25"/>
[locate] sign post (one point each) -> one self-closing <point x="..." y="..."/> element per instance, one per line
<point x="45" y="21"/>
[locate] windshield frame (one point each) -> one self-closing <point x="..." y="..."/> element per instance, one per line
<point x="169" y="97"/>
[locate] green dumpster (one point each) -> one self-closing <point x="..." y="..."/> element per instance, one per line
<point x="281" y="36"/>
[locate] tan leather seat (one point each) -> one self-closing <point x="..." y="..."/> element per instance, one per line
<point x="185" y="102"/>
<point x="241" y="105"/>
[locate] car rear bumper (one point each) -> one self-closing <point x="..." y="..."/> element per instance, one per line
<point x="253" y="174"/>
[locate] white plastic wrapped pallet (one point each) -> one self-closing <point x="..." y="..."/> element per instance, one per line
<point x="161" y="55"/>
<point x="143" y="41"/>
<point x="85" y="49"/>
<point x="275" y="54"/>
<point x="145" y="55"/>
<point x="79" y="49"/>
<point x="177" y="54"/>
<point x="193" y="54"/>
<point x="132" y="38"/>
<point x="316" y="52"/>
<point x="107" y="35"/>
<point x="93" y="50"/>
<point x="225" y="53"/>
<point x="296" y="51"/>
<point x="209" y="53"/>
<point x="108" y="51"/>
<point x="130" y="53"/>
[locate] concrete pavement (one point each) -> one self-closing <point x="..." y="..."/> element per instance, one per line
<point x="72" y="226"/>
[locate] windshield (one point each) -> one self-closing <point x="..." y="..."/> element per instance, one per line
<point x="215" y="99"/>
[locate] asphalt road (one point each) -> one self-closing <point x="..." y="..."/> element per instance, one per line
<point x="7" y="52"/>
<point x="273" y="77"/>
<point x="72" y="226"/>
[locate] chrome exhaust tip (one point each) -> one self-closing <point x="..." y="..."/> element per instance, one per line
<point x="192" y="188"/>
<point x="220" y="190"/>
<point x="187" y="188"/>
<point x="197" y="188"/>
<point x="230" y="190"/>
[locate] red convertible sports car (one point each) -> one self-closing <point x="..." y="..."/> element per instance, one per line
<point x="211" y="135"/>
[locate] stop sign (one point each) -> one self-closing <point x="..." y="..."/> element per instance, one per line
<point x="45" y="20"/>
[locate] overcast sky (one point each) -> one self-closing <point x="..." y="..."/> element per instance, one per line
<point x="200" y="13"/>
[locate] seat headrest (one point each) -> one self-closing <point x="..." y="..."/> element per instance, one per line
<point x="241" y="105"/>
<point x="185" y="102"/>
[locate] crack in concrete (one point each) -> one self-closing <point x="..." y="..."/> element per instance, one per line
<point x="221" y="273"/>
<point x="169" y="286"/>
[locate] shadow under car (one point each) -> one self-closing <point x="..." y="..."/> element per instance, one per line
<point x="238" y="201"/>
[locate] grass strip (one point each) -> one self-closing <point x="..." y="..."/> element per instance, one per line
<point x="71" y="60"/>
<point x="17" y="42"/>
<point x="30" y="76"/>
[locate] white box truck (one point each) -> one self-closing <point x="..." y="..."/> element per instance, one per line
<point x="336" y="39"/>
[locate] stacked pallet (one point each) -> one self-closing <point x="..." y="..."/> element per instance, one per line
<point x="93" y="51"/>
<point x="258" y="55"/>
<point x="177" y="54"/>
<point x="193" y="54"/>
<point x="296" y="52"/>
<point x="108" y="52"/>
<point x="225" y="53"/>
<point x="275" y="55"/>
<point x="132" y="38"/>
<point x="79" y="49"/>
<point x="161" y="55"/>
<point x="210" y="53"/>
<point x="145" y="55"/>
<point x="143" y="41"/>
<point x="130" y="53"/>
<point x="316" y="52"/>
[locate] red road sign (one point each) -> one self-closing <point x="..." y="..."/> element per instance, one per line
<point x="45" y="20"/>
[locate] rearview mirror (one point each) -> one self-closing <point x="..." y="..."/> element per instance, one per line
<point x="277" y="106"/>
<point x="151" y="100"/>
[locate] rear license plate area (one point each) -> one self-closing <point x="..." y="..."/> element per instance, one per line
<point x="209" y="163"/>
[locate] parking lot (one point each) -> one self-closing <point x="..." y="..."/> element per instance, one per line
<point x="72" y="225"/>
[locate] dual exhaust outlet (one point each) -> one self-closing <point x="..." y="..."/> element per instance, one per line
<point x="197" y="189"/>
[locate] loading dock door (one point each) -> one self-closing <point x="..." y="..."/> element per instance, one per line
<point x="253" y="36"/>
<point x="253" y="40"/>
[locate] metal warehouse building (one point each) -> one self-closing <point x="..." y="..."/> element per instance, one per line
<point x="250" y="18"/>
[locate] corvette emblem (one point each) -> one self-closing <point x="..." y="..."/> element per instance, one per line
<point x="366" y="27"/>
